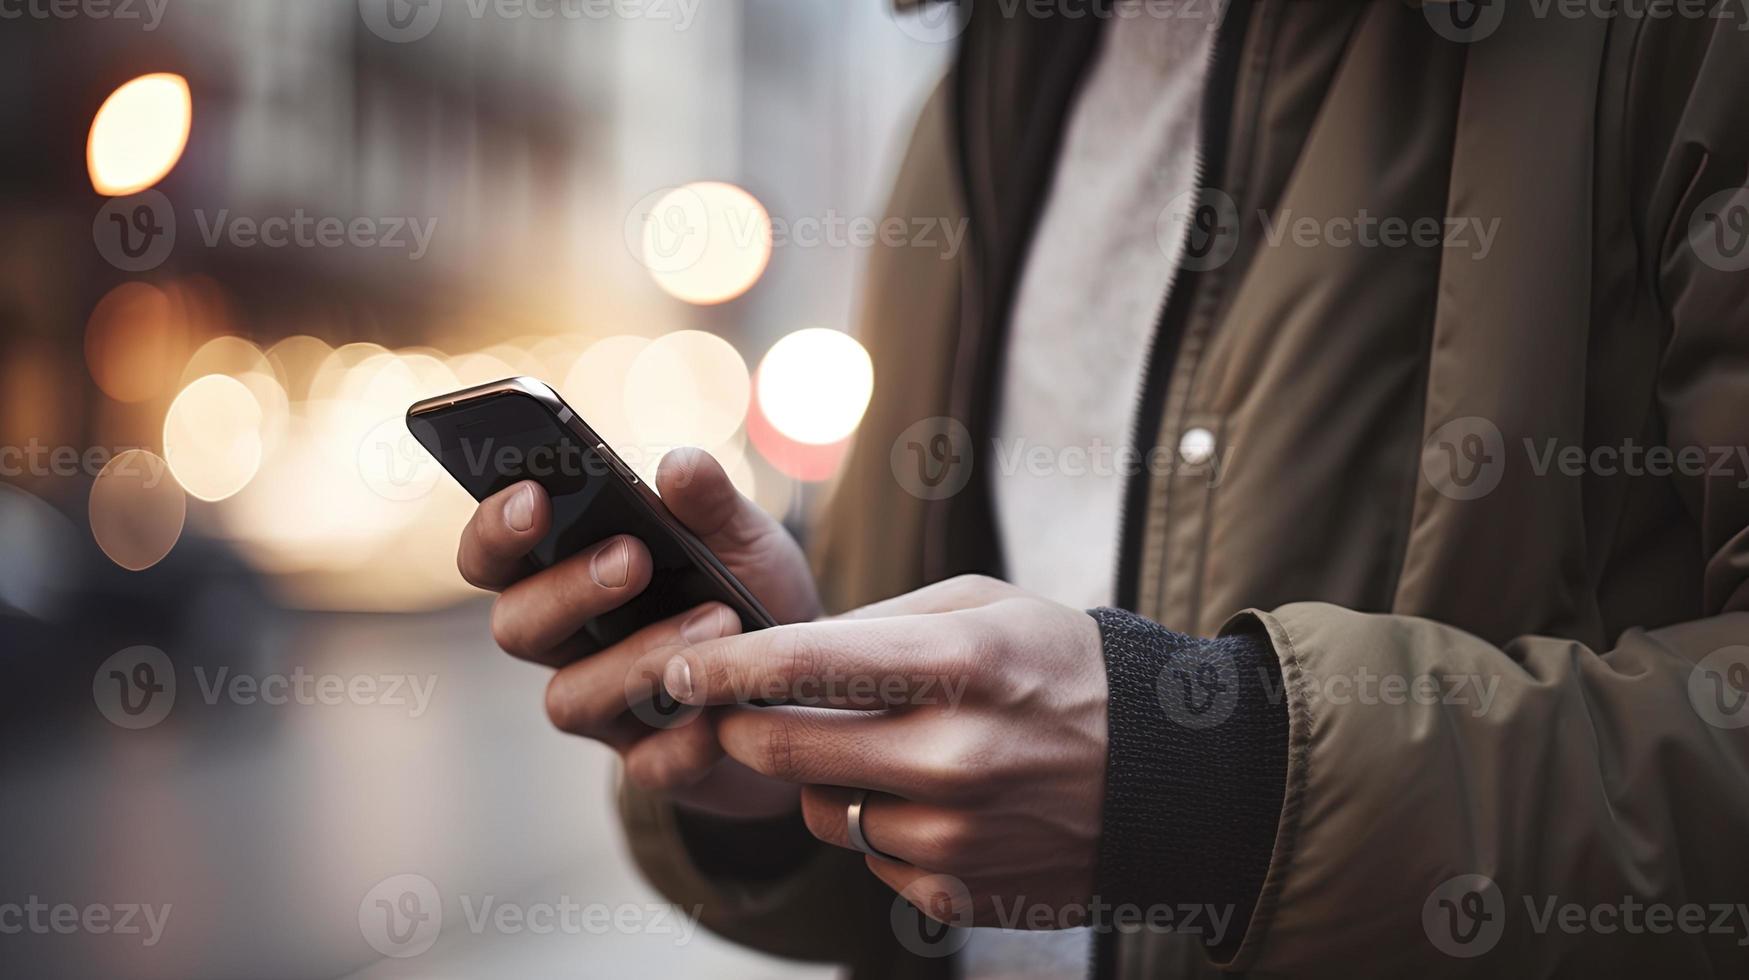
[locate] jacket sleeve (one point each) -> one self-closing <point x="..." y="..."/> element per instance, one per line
<point x="819" y="910"/>
<point x="1539" y="807"/>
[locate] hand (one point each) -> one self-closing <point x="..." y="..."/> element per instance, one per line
<point x="976" y="710"/>
<point x="537" y="617"/>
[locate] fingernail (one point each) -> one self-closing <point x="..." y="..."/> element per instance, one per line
<point x="519" y="512"/>
<point x="611" y="566"/>
<point x="677" y="678"/>
<point x="706" y="624"/>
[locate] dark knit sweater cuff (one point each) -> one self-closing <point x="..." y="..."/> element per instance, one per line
<point x="1194" y="776"/>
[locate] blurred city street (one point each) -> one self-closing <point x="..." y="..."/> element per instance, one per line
<point x="262" y="828"/>
<point x="255" y="723"/>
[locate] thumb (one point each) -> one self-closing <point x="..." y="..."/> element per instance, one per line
<point x="753" y="545"/>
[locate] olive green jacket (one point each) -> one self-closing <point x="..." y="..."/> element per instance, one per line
<point x="1423" y="468"/>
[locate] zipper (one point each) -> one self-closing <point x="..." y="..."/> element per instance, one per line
<point x="1220" y="81"/>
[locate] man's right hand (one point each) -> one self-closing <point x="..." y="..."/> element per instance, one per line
<point x="538" y="617"/>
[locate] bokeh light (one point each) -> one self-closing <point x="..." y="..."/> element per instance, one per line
<point x="134" y="342"/>
<point x="136" y="509"/>
<point x="295" y="361"/>
<point x="809" y="462"/>
<point x="478" y="368"/>
<point x="596" y="386"/>
<point x="229" y="355"/>
<point x="706" y="242"/>
<point x="212" y="436"/>
<point x="139" y="134"/>
<point x="815" y="384"/>
<point x="687" y="388"/>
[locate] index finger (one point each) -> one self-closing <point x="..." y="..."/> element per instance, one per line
<point x="864" y="664"/>
<point x="504" y="528"/>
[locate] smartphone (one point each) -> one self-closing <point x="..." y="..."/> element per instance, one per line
<point x="496" y="435"/>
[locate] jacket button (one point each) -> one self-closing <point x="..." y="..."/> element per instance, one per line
<point x="1196" y="446"/>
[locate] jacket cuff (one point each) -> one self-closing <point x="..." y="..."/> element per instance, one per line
<point x="1195" y="772"/>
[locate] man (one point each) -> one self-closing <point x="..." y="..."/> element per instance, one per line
<point x="1429" y="424"/>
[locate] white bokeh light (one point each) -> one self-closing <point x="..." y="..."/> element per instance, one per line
<point x="814" y="385"/>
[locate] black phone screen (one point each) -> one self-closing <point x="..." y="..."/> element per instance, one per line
<point x="497" y="441"/>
